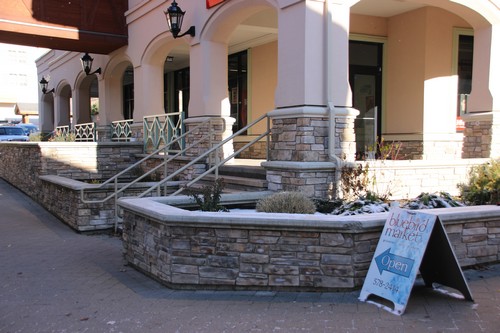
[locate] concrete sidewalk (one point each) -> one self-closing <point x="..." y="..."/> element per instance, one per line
<point x="55" y="280"/>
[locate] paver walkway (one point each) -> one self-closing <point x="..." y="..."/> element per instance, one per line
<point x="55" y="280"/>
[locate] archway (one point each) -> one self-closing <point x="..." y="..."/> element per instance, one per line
<point x="64" y="112"/>
<point x="118" y="104"/>
<point x="87" y="94"/>
<point x="249" y="33"/>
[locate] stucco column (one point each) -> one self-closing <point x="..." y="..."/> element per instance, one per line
<point x="313" y="99"/>
<point x="46" y="113"/>
<point x="301" y="56"/>
<point x="209" y="106"/>
<point x="148" y="91"/>
<point x="208" y="81"/>
<point x="482" y="121"/>
<point x="62" y="111"/>
<point x="342" y="139"/>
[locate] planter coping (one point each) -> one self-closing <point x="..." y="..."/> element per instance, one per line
<point x="161" y="209"/>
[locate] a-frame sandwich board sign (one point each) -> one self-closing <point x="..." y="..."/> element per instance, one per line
<point x="410" y="242"/>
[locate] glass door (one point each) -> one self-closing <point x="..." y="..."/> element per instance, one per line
<point x="365" y="76"/>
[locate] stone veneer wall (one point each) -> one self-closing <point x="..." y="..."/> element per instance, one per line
<point x="188" y="250"/>
<point x="477" y="142"/>
<point x="397" y="179"/>
<point x="408" y="179"/>
<point x="256" y="151"/>
<point x="221" y="128"/>
<point x="300" y="139"/>
<point x="22" y="164"/>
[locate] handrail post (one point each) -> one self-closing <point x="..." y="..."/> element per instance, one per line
<point x="165" y="170"/>
<point x="268" y="142"/>
<point x="210" y="141"/>
<point x="116" y="205"/>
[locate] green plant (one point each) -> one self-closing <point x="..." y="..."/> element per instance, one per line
<point x="362" y="205"/>
<point x="389" y="151"/>
<point x="35" y="137"/>
<point x="354" y="181"/>
<point x="483" y="186"/>
<point x="286" y="202"/>
<point x="94" y="109"/>
<point x="327" y="206"/>
<point x="62" y="137"/>
<point x="432" y="200"/>
<point x="209" y="198"/>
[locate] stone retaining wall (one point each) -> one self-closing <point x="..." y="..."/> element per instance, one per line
<point x="62" y="197"/>
<point x="26" y="164"/>
<point x="185" y="249"/>
<point x="22" y="163"/>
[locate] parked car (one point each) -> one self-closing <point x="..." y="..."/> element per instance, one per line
<point x="28" y="128"/>
<point x="12" y="133"/>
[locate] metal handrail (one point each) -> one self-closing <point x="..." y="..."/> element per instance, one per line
<point x="167" y="158"/>
<point x="215" y="149"/>
<point x="135" y="165"/>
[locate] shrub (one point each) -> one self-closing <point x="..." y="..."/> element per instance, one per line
<point x="35" y="137"/>
<point x="61" y="137"/>
<point x="363" y="205"/>
<point x="483" y="186"/>
<point x="286" y="202"/>
<point x="354" y="181"/>
<point x="209" y="198"/>
<point x="327" y="206"/>
<point x="434" y="200"/>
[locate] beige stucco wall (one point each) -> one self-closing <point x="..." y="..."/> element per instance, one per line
<point x="368" y="25"/>
<point x="263" y="77"/>
<point x="419" y="73"/>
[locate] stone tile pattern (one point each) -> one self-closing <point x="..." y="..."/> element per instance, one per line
<point x="190" y="173"/>
<point x="183" y="256"/>
<point x="300" y="139"/>
<point x="400" y="179"/>
<point x="220" y="129"/>
<point x="21" y="164"/>
<point x="65" y="203"/>
<point x="478" y="139"/>
<point x="408" y="179"/>
<point x="313" y="183"/>
<point x="70" y="159"/>
<point x="256" y="151"/>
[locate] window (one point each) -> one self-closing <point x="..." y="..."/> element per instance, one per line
<point x="237" y="82"/>
<point x="128" y="93"/>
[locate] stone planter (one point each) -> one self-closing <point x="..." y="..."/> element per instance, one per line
<point x="198" y="250"/>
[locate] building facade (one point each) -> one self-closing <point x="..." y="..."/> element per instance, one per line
<point x="335" y="77"/>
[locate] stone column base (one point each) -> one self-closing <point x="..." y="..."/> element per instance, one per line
<point x="221" y="128"/>
<point x="314" y="179"/>
<point x="481" y="135"/>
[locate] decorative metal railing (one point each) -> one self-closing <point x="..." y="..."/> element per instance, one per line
<point x="82" y="132"/>
<point x="163" y="131"/>
<point x="85" y="132"/>
<point x="62" y="131"/>
<point x="121" y="130"/>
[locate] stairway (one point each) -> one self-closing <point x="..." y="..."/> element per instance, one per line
<point x="241" y="175"/>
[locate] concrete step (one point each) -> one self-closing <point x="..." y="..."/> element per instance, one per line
<point x="238" y="183"/>
<point x="247" y="171"/>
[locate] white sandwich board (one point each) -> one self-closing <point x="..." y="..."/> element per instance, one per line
<point x="410" y="242"/>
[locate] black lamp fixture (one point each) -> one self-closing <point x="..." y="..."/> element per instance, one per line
<point x="175" y="15"/>
<point x="44" y="85"/>
<point x="87" y="65"/>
